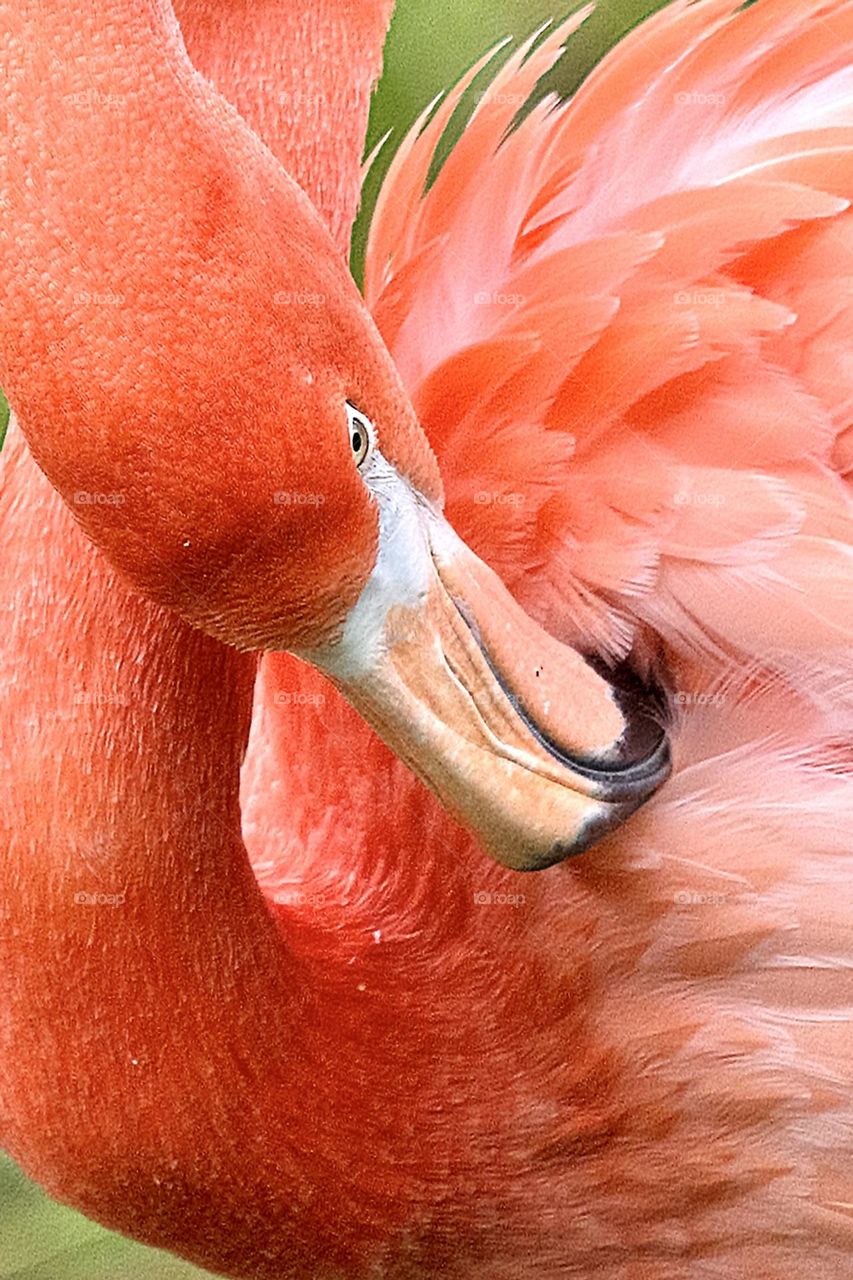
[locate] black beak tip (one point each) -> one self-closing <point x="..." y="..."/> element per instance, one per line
<point x="595" y="829"/>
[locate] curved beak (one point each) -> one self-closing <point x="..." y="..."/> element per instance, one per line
<point x="522" y="738"/>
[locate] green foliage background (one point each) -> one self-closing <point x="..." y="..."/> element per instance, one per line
<point x="431" y="43"/>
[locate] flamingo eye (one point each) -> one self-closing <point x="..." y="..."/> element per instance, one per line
<point x="361" y="434"/>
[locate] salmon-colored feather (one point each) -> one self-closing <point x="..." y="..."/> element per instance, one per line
<point x="710" y="162"/>
<point x="700" y="182"/>
<point x="396" y="216"/>
<point x="627" y="327"/>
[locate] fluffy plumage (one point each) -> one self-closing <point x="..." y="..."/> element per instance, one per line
<point x="622" y="324"/>
<point x="638" y="1064"/>
<point x="629" y="318"/>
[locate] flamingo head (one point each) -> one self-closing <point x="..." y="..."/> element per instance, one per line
<point x="234" y="435"/>
<point x="336" y="549"/>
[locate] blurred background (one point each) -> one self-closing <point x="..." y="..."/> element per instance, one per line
<point x="431" y="43"/>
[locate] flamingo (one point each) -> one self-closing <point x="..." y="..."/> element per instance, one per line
<point x="266" y="1000"/>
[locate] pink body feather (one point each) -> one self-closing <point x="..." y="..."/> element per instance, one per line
<point x="627" y="331"/>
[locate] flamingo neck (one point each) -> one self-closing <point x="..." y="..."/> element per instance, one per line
<point x="301" y="75"/>
<point x="167" y="230"/>
<point x="130" y="916"/>
<point x="141" y="966"/>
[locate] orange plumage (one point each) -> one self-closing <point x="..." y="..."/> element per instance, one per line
<point x="624" y="327"/>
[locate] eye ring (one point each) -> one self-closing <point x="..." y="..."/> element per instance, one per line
<point x="362" y="435"/>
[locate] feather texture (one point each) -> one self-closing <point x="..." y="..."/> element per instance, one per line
<point x="626" y="325"/>
<point x="660" y="241"/>
<point x="640" y="311"/>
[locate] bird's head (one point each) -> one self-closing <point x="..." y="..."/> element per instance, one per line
<point x="232" y="432"/>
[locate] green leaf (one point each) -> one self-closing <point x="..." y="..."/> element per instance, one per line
<point x="4" y="418"/>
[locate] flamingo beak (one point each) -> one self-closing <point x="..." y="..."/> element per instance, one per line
<point x="522" y="738"/>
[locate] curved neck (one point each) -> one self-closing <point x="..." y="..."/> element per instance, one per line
<point x="140" y="965"/>
<point x="167" y="230"/>
<point x="134" y="940"/>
